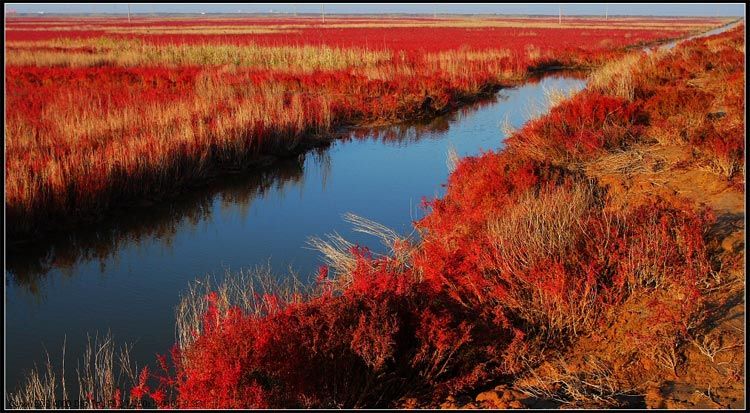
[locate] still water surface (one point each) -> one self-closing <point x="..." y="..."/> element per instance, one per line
<point x="127" y="274"/>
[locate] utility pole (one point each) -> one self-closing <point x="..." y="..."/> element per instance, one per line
<point x="559" y="16"/>
<point x="434" y="14"/>
<point x="323" y="11"/>
<point x="606" y="12"/>
<point x="128" y="12"/>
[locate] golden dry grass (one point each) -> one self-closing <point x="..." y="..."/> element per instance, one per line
<point x="126" y="53"/>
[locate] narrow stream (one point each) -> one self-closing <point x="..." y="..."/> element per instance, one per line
<point x="126" y="275"/>
<point x="672" y="44"/>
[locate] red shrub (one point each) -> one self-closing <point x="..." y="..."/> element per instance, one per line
<point x="579" y="128"/>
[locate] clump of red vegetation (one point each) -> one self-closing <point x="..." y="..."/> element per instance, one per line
<point x="521" y="256"/>
<point x="696" y="97"/>
<point x="580" y="128"/>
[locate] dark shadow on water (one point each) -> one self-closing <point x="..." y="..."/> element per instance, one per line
<point x="27" y="263"/>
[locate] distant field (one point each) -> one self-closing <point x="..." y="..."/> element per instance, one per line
<point x="104" y="111"/>
<point x="413" y="33"/>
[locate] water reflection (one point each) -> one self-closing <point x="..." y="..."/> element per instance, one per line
<point x="27" y="264"/>
<point x="408" y="133"/>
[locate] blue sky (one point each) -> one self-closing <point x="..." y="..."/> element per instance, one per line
<point x="685" y="9"/>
